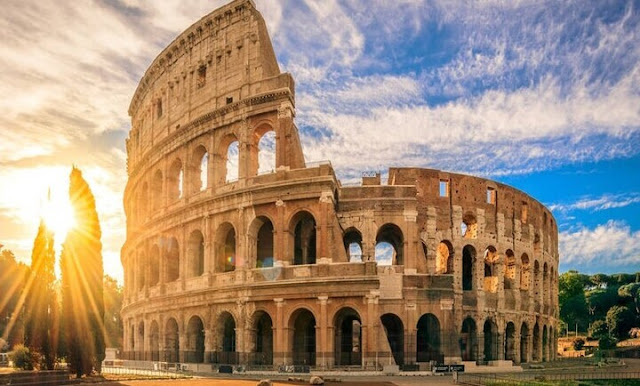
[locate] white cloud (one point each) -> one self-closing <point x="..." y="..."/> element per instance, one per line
<point x="607" y="201"/>
<point x="608" y="245"/>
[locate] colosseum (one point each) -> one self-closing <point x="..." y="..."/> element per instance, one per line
<point x="241" y="253"/>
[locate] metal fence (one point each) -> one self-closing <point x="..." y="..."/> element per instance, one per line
<point x="535" y="378"/>
<point x="170" y="371"/>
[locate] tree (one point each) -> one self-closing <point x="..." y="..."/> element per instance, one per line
<point x="82" y="287"/>
<point x="112" y="305"/>
<point x="601" y="300"/>
<point x="598" y="329"/>
<point x="631" y="291"/>
<point x="620" y="320"/>
<point x="573" y="305"/>
<point x="13" y="278"/>
<point x="41" y="333"/>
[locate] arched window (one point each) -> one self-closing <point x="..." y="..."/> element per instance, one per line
<point x="195" y="253"/>
<point x="468" y="259"/>
<point x="199" y="169"/>
<point x="537" y="278"/>
<point x="233" y="161"/>
<point x="525" y="272"/>
<point x="348" y="337"/>
<point x="545" y="280"/>
<point x="195" y="341"/>
<point x="353" y="245"/>
<point x="510" y="342"/>
<point x="154" y="341"/>
<point x="394" y="329"/>
<point x="428" y="339"/>
<point x="469" y="340"/>
<point x="262" y="339"/>
<point x="172" y="260"/>
<point x="303" y="226"/>
<point x="267" y="153"/>
<point x="156" y="187"/>
<point x="491" y="260"/>
<point x="491" y="341"/>
<point x="469" y="226"/>
<point x="389" y="245"/>
<point x="524" y="343"/>
<point x="444" y="258"/>
<point x="226" y="248"/>
<point x="142" y="270"/>
<point x="172" y="342"/>
<point x="174" y="183"/>
<point x="510" y="272"/>
<point x="154" y="266"/>
<point x="303" y="327"/>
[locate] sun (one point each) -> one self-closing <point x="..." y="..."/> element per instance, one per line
<point x="58" y="215"/>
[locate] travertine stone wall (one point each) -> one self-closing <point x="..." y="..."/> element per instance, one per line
<point x="281" y="268"/>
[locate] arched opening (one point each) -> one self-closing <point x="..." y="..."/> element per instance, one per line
<point x="198" y="170"/>
<point x="536" y="280"/>
<point x="545" y="344"/>
<point x="469" y="340"/>
<point x="389" y="245"/>
<point x="194" y="352"/>
<point x="428" y="339"/>
<point x="172" y="261"/>
<point x="175" y="180"/>
<point x="525" y="272"/>
<point x="510" y="342"/>
<point x="154" y="265"/>
<point x="536" y="343"/>
<point x="444" y="258"/>
<point x="303" y="330"/>
<point x="154" y="342"/>
<point x="262" y="353"/>
<point x="468" y="260"/>
<point x="143" y="203"/>
<point x="524" y="343"/>
<point x="552" y="345"/>
<point x="156" y="187"/>
<point x="491" y="341"/>
<point x="545" y="280"/>
<point x="226" y="333"/>
<point x="232" y="162"/>
<point x="226" y="248"/>
<point x="491" y="261"/>
<point x="132" y="341"/>
<point x="510" y="272"/>
<point x="469" y="226"/>
<point x="172" y="342"/>
<point x="142" y="269"/>
<point x="394" y="329"/>
<point x="195" y="253"/>
<point x="348" y="337"/>
<point x="267" y="153"/>
<point x="140" y="352"/>
<point x="264" y="243"/>
<point x="353" y="245"/>
<point x="304" y="241"/>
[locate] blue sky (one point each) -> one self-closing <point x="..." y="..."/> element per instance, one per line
<point x="541" y="95"/>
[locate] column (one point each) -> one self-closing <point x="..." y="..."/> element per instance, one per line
<point x="279" y="347"/>
<point x="321" y="348"/>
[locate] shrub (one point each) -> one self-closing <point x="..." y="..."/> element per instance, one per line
<point x="598" y="329"/>
<point x="23" y="358"/>
<point x="578" y="344"/>
<point x="606" y="343"/>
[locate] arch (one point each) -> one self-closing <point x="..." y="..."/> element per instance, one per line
<point x="195" y="254"/>
<point x="140" y="352"/>
<point x="510" y="271"/>
<point x="172" y="341"/>
<point x="198" y="169"/>
<point x="524" y="343"/>
<point x="469" y="340"/>
<point x="468" y="262"/>
<point x="510" y="342"/>
<point x="536" y="280"/>
<point x="444" y="258"/>
<point x="428" y="339"/>
<point x="172" y="260"/>
<point x="156" y="190"/>
<point x="536" y="343"/>
<point x="525" y="272"/>
<point x="490" y="260"/>
<point x="348" y="337"/>
<point x="262" y="339"/>
<point x="154" y="341"/>
<point x="545" y="344"/>
<point x="263" y="231"/>
<point x="154" y="265"/>
<point x="469" y="226"/>
<point x="266" y="144"/>
<point x="303" y="228"/>
<point x="352" y="240"/>
<point x="391" y="253"/>
<point x="226" y="335"/>
<point x="302" y="325"/>
<point x="491" y="340"/>
<point x="552" y="345"/>
<point x="232" y="162"/>
<point x="194" y="352"/>
<point x="142" y="270"/>
<point x="226" y="248"/>
<point x="175" y="180"/>
<point x="394" y="329"/>
<point x="545" y="280"/>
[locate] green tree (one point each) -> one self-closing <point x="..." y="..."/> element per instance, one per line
<point x="598" y="329"/>
<point x="600" y="300"/>
<point x="82" y="287"/>
<point x="112" y="304"/>
<point x="13" y="279"/>
<point x="620" y="320"/>
<point x="631" y="291"/>
<point x="41" y="325"/>
<point x="571" y="297"/>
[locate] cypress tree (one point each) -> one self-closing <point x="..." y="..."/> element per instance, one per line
<point x="41" y="333"/>
<point x="82" y="291"/>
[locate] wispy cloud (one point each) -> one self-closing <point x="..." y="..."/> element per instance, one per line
<point x="607" y="201"/>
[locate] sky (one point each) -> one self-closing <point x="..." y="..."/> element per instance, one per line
<point x="540" y="95"/>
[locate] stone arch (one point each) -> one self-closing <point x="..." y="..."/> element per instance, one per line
<point x="510" y="342"/>
<point x="264" y="158"/>
<point x="444" y="258"/>
<point x="525" y="272"/>
<point x="195" y="254"/>
<point x="261" y="234"/>
<point x="428" y="347"/>
<point x="229" y="151"/>
<point x="302" y="330"/>
<point x="468" y="267"/>
<point x="175" y="180"/>
<point x="469" y="340"/>
<point x="352" y="240"/>
<point x="510" y="271"/>
<point x="261" y="339"/>
<point x="491" y="340"/>
<point x="156" y="190"/>
<point x="545" y="280"/>
<point x="154" y="341"/>
<point x="524" y="342"/>
<point x="142" y="270"/>
<point x="194" y="352"/>
<point x="140" y="330"/>
<point x="226" y="335"/>
<point x="490" y="261"/>
<point x="394" y="330"/>
<point x="536" y="280"/>
<point x="154" y="265"/>
<point x="198" y="169"/>
<point x="469" y="226"/>
<point x="390" y="236"/>
<point x="172" y="260"/>
<point x="171" y="341"/>
<point x="303" y="229"/>
<point x="347" y="325"/>
<point x="545" y="344"/>
<point x="536" y="343"/>
<point x="225" y="242"/>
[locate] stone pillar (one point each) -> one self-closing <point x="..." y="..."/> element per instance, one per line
<point x="410" y="339"/>
<point x="516" y="347"/>
<point x="369" y="331"/>
<point x="432" y="241"/>
<point x="410" y="250"/>
<point x="326" y="206"/>
<point x="321" y="333"/>
<point x="280" y="243"/>
<point x="279" y="344"/>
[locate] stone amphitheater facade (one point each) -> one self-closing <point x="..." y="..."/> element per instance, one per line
<point x="271" y="267"/>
